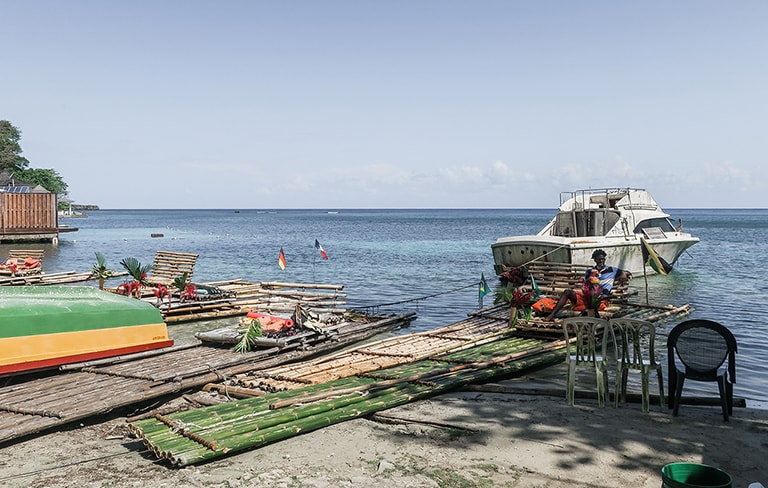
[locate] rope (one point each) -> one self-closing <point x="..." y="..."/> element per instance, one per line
<point x="476" y="283"/>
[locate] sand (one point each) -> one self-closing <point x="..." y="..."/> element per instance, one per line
<point x="463" y="439"/>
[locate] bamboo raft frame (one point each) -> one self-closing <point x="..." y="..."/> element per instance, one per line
<point x="88" y="389"/>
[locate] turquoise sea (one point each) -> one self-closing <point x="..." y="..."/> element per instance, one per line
<point x="428" y="261"/>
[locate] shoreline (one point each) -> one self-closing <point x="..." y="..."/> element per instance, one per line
<point x="465" y="438"/>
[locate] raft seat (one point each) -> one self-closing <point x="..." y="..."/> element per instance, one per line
<point x="23" y="262"/>
<point x="167" y="266"/>
<point x="554" y="278"/>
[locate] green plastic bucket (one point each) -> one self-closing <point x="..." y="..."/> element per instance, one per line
<point x="692" y="475"/>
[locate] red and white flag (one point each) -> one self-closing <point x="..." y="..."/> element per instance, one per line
<point x="281" y="259"/>
<point x="320" y="248"/>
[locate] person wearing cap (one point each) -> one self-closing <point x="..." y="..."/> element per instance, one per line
<point x="607" y="275"/>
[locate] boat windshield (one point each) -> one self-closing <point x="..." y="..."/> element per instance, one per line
<point x="661" y="222"/>
<point x="585" y="223"/>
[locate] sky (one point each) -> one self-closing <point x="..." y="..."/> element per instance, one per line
<point x="390" y="104"/>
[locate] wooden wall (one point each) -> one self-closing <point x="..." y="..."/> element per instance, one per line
<point x="28" y="213"/>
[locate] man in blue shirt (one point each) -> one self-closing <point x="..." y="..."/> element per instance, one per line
<point x="608" y="275"/>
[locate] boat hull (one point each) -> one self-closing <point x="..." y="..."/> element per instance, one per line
<point x="624" y="253"/>
<point x="45" y="327"/>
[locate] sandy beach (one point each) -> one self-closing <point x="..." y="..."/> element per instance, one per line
<point x="476" y="438"/>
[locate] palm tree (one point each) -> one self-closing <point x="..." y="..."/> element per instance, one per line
<point x="100" y="270"/>
<point x="137" y="271"/>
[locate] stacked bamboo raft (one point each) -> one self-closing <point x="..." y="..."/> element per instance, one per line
<point x="197" y="436"/>
<point x="88" y="389"/>
<point x="239" y="297"/>
<point x="43" y="278"/>
<point x="367" y="358"/>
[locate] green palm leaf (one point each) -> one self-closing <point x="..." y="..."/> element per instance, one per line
<point x="248" y="340"/>
<point x="137" y="271"/>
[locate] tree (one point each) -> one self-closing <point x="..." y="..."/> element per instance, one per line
<point x="12" y="162"/>
<point x="47" y="178"/>
<point x="11" y="159"/>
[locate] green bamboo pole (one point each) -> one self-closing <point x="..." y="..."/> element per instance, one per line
<point x="450" y="377"/>
<point x="400" y="395"/>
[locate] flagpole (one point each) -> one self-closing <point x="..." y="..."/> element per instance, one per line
<point x="480" y="297"/>
<point x="645" y="277"/>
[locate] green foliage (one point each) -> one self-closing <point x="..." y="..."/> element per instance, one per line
<point x="100" y="270"/>
<point x="180" y="282"/>
<point x="252" y="332"/>
<point x="11" y="159"/>
<point x="504" y="295"/>
<point x="47" y="178"/>
<point x="137" y="271"/>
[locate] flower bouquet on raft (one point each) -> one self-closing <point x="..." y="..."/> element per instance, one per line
<point x="511" y="292"/>
<point x="594" y="299"/>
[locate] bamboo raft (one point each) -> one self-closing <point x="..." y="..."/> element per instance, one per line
<point x="480" y="326"/>
<point x="284" y="401"/>
<point x="200" y="435"/>
<point x="385" y="353"/>
<point x="84" y="390"/>
<point x="239" y="297"/>
<point x="62" y="278"/>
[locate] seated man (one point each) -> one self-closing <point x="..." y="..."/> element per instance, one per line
<point x="607" y="275"/>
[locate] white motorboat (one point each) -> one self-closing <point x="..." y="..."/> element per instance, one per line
<point x="612" y="219"/>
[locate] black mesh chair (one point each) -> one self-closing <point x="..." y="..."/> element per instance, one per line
<point x="702" y="346"/>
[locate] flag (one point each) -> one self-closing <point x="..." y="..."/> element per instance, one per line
<point x="483" y="286"/>
<point x="281" y="259"/>
<point x="535" y="286"/>
<point x="320" y="248"/>
<point x="652" y="259"/>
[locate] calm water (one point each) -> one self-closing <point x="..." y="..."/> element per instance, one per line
<point x="401" y="256"/>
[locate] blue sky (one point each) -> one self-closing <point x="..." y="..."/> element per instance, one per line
<point x="391" y="104"/>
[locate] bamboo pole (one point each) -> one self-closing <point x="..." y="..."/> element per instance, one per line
<point x="185" y="452"/>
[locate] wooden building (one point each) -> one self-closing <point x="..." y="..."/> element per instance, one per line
<point x="27" y="213"/>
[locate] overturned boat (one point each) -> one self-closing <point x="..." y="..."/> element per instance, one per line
<point x="612" y="219"/>
<point x="45" y="327"/>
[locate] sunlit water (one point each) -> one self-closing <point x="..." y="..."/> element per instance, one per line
<point x="393" y="256"/>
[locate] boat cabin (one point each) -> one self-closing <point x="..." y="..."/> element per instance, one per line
<point x="595" y="213"/>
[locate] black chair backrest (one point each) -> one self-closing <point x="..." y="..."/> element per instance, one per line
<point x="703" y="346"/>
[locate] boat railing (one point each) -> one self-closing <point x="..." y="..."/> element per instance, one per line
<point x="582" y="198"/>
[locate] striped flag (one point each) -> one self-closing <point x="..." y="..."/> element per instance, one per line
<point x="281" y="259"/>
<point x="320" y="248"/>
<point x="651" y="258"/>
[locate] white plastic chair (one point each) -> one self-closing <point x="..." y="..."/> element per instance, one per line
<point x="582" y="334"/>
<point x="637" y="353"/>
